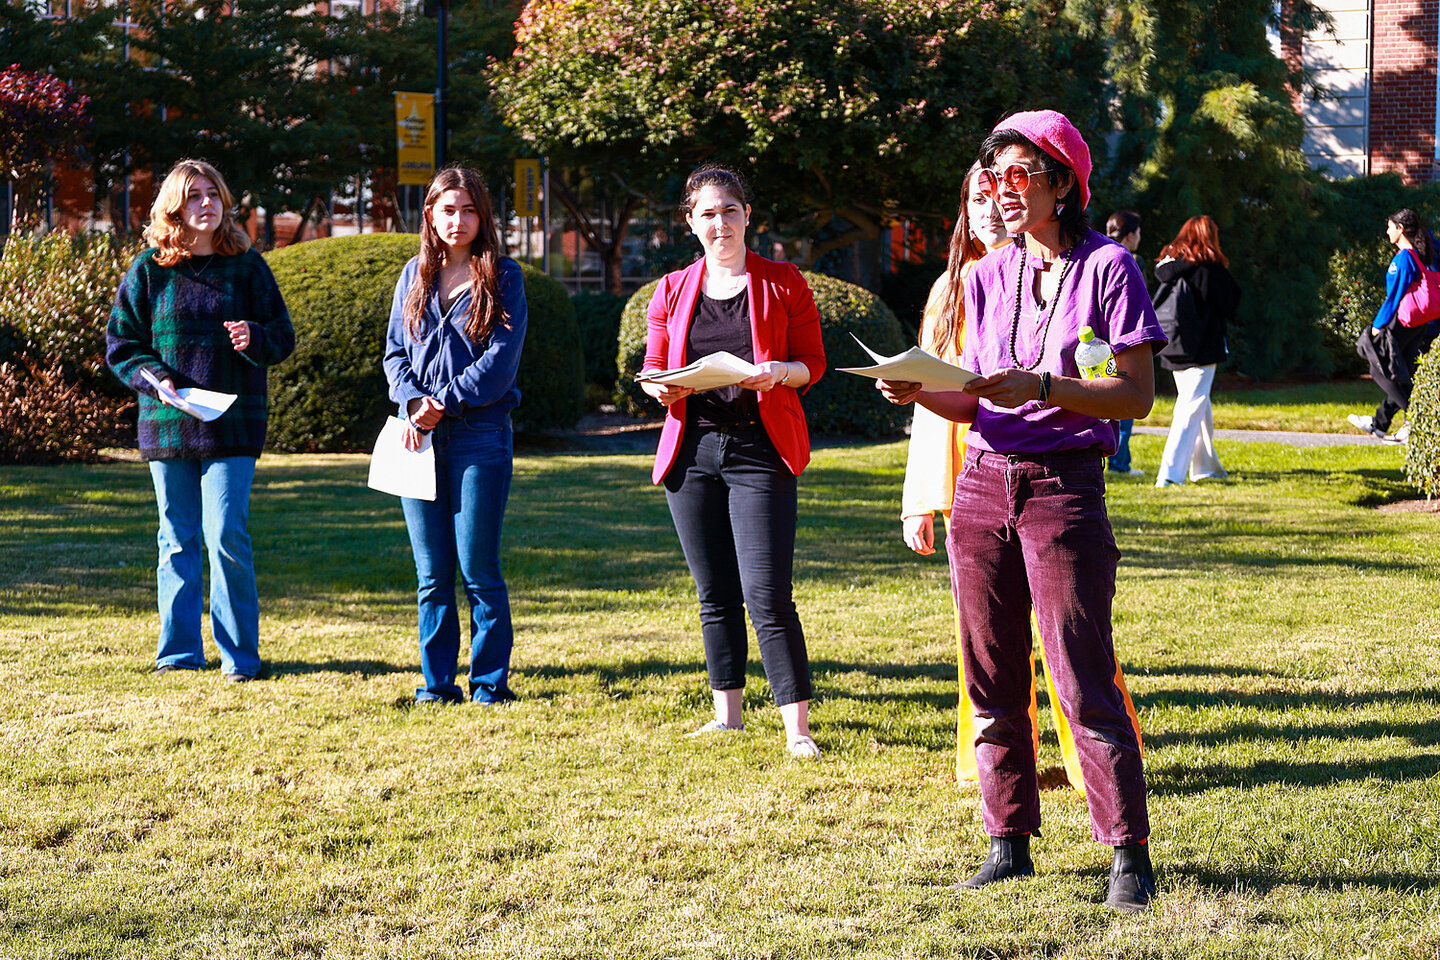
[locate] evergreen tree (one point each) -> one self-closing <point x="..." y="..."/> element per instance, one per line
<point x="1208" y="126"/>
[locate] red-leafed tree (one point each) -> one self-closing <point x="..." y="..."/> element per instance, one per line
<point x="42" y="119"/>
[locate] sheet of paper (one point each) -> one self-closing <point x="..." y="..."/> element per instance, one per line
<point x="914" y="365"/>
<point x="201" y="404"/>
<point x="401" y="472"/>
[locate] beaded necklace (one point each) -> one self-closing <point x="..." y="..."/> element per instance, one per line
<point x="1019" y="290"/>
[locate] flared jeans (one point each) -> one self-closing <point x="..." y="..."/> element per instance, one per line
<point x="460" y="530"/>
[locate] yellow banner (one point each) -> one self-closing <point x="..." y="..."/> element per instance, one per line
<point x="415" y="137"/>
<point x="527" y="188"/>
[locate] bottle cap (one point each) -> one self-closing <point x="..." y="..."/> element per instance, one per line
<point x="1086" y="334"/>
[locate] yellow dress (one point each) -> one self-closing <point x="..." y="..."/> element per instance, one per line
<point x="937" y="450"/>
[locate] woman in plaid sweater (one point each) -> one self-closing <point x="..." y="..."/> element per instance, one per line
<point x="201" y="309"/>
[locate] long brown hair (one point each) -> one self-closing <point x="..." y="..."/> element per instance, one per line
<point x="167" y="230"/>
<point x="965" y="248"/>
<point x="485" y="307"/>
<point x="1198" y="241"/>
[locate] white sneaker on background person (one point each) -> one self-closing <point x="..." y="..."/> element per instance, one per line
<point x="1365" y="424"/>
<point x="1399" y="436"/>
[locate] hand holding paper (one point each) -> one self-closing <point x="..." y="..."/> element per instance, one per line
<point x="914" y="366"/>
<point x="203" y="405"/>
<point x="720" y="369"/>
<point x="398" y="470"/>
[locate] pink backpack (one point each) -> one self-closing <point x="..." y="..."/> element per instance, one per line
<point x="1421" y="303"/>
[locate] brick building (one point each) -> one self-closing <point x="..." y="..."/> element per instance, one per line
<point x="1374" y="105"/>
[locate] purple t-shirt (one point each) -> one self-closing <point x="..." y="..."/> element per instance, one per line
<point x="1104" y="291"/>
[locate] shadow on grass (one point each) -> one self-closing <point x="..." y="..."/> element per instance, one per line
<point x="1265" y="882"/>
<point x="364" y="668"/>
<point x="1186" y="779"/>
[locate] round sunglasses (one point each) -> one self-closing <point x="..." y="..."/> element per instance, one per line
<point x="1016" y="178"/>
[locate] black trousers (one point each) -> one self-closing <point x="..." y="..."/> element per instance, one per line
<point x="733" y="501"/>
<point x="1392" y="354"/>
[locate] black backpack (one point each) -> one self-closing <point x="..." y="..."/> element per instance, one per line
<point x="1180" y="319"/>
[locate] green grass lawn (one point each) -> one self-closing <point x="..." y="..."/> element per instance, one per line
<point x="1306" y="407"/>
<point x="1279" y="633"/>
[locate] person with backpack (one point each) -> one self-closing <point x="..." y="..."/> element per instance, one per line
<point x="1195" y="301"/>
<point x="1394" y="341"/>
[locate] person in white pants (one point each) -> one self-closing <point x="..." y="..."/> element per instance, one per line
<point x="1191" y="442"/>
<point x="1196" y="298"/>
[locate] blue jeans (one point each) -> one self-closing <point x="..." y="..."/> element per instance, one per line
<point x="460" y="529"/>
<point x="1120" y="462"/>
<point x="212" y="496"/>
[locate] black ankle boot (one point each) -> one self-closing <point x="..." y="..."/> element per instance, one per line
<point x="1008" y="857"/>
<point x="1132" y="879"/>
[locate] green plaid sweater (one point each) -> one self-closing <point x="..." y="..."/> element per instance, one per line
<point x="170" y="320"/>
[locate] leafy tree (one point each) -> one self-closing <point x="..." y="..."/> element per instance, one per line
<point x="1208" y="127"/>
<point x="41" y="119"/>
<point x="845" y="113"/>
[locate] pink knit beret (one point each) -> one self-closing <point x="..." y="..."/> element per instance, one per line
<point x="1052" y="131"/>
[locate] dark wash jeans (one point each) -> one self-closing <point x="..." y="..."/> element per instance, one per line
<point x="1026" y="530"/>
<point x="733" y="501"/>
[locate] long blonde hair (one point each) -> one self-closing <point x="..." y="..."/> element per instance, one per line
<point x="167" y="229"/>
<point x="943" y="338"/>
<point x="485" y="307"/>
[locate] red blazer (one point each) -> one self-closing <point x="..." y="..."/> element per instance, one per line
<point x="784" y="325"/>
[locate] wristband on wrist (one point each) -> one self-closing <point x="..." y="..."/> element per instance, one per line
<point x="1044" y="388"/>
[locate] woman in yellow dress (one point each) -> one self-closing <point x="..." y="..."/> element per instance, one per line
<point x="937" y="449"/>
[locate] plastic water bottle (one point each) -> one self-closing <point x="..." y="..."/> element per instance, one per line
<point x="1093" y="356"/>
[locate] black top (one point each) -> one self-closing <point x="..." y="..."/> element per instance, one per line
<point x="1198" y="333"/>
<point x="721" y="325"/>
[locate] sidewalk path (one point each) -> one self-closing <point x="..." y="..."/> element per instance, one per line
<point x="1284" y="436"/>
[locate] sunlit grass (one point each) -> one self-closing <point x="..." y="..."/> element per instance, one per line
<point x="1279" y="633"/>
<point x="1319" y="407"/>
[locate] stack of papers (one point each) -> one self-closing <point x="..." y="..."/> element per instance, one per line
<point x="914" y="366"/>
<point x="709" y="372"/>
<point x="201" y="404"/>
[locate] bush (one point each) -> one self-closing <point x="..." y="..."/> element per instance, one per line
<point x="1354" y="289"/>
<point x="598" y="317"/>
<point x="50" y="418"/>
<point x="56" y="293"/>
<point x="840" y="402"/>
<point x="1422" y="452"/>
<point x="331" y="394"/>
<point x="60" y="402"/>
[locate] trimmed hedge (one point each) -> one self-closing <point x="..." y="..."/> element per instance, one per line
<point x="1422" y="451"/>
<point x="840" y="403"/>
<point x="331" y="394"/>
<point x="598" y="315"/>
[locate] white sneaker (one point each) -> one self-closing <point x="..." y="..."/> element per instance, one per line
<point x="803" y="748"/>
<point x="1365" y="424"/>
<point x="714" y="726"/>
<point x="1399" y="436"/>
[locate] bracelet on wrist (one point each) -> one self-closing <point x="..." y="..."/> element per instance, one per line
<point x="1044" y="397"/>
<point x="787" y="372"/>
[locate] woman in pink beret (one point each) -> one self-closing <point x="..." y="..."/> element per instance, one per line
<point x="1029" y="530"/>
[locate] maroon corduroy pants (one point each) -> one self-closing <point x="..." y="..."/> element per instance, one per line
<point x="1031" y="530"/>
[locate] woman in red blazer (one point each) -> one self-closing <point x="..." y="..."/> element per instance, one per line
<point x="729" y="457"/>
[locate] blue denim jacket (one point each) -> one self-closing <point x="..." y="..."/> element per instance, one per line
<point x="476" y="381"/>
